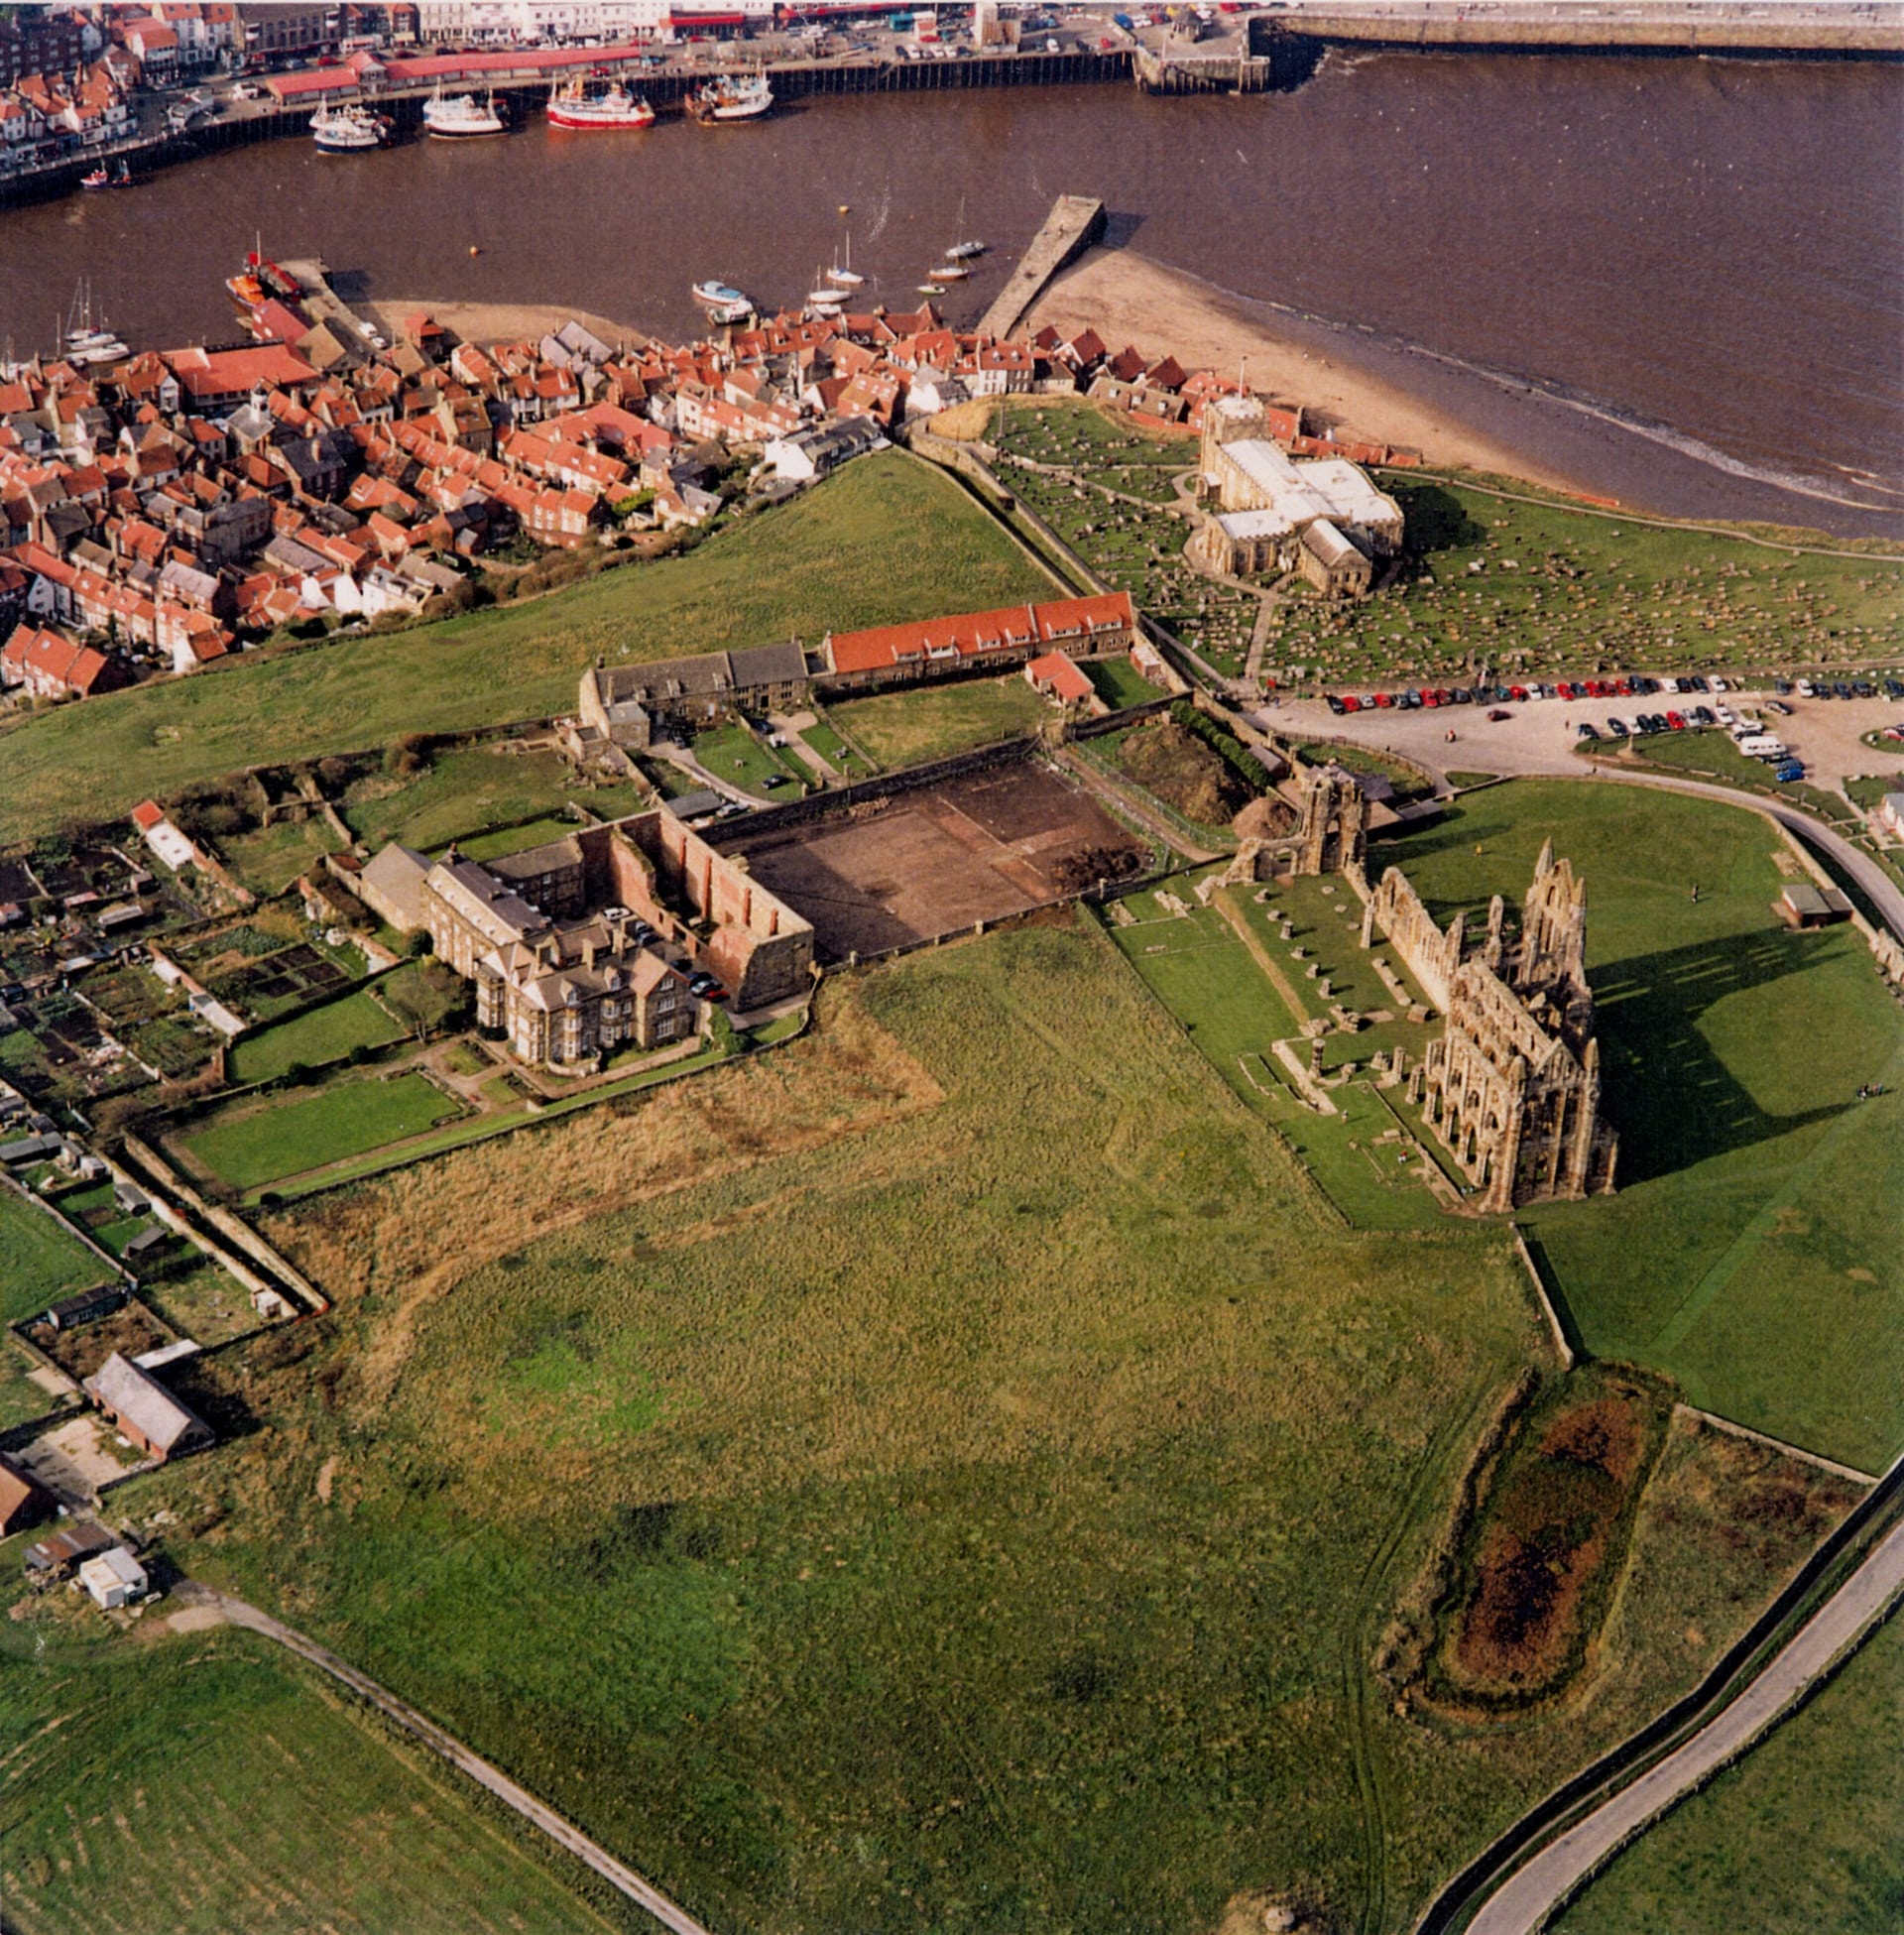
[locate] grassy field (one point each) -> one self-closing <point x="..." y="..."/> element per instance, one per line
<point x="207" y="1783"/>
<point x="884" y="539"/>
<point x="1119" y="683"/>
<point x="1711" y="755"/>
<point x="271" y="858"/>
<point x="1197" y="963"/>
<point x="42" y="1263"/>
<point x="997" y="1553"/>
<point x="1134" y="546"/>
<point x="1751" y="1251"/>
<point x="906" y="728"/>
<point x="1807" y="1832"/>
<point x="319" y="1035"/>
<point x="743" y="759"/>
<point x="1543" y="589"/>
<point x="254" y="1142"/>
<point x="461" y="791"/>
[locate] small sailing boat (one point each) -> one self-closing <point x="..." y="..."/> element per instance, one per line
<point x="842" y="272"/>
<point x="964" y="250"/>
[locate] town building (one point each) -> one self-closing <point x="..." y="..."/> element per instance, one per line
<point x="976" y="642"/>
<point x="1267" y="504"/>
<point x="633" y="705"/>
<point x="146" y="1412"/>
<point x="586" y="944"/>
<point x="114" y="1579"/>
<point x="23" y="1501"/>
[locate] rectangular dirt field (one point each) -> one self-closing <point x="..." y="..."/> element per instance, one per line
<point x="939" y="857"/>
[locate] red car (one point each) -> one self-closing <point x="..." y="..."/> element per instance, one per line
<point x="1383" y="699"/>
<point x="1350" y="703"/>
<point x="1676" y="722"/>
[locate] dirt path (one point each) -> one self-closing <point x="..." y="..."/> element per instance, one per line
<point x="620" y="1876"/>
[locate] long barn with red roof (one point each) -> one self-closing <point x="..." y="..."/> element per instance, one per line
<point x="930" y="647"/>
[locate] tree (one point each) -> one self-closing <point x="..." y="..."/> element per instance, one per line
<point x="423" y="997"/>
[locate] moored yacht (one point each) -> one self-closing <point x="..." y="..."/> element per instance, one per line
<point x="462" y="117"/>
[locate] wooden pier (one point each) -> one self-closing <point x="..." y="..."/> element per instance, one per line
<point x="1074" y="223"/>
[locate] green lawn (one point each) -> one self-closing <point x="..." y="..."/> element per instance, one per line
<point x="1001" y="1455"/>
<point x="743" y="759"/>
<point x="908" y="728"/>
<point x="1711" y="755"/>
<point x="1751" y="1251"/>
<point x="1545" y="589"/>
<point x="1199" y="967"/>
<point x="269" y="859"/>
<point x="317" y="1036"/>
<point x="209" y="1783"/>
<point x="256" y="1143"/>
<point x="1119" y="683"/>
<point x="462" y="791"/>
<point x="517" y="839"/>
<point x="20" y="1398"/>
<point x="42" y="1263"/>
<point x="887" y="539"/>
<point x="1807" y="1832"/>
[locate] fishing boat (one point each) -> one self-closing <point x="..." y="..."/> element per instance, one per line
<point x="722" y="302"/>
<point x="462" y="117"/>
<point x="842" y="272"/>
<point x="97" y="178"/>
<point x="585" y="113"/>
<point x="731" y="98"/>
<point x="349" y="130"/>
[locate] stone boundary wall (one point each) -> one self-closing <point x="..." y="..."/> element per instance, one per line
<point x="836" y="800"/>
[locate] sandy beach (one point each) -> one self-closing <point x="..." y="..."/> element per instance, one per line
<point x="486" y="322"/>
<point x="1127" y="300"/>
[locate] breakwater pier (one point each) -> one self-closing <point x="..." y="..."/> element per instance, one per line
<point x="1074" y="223"/>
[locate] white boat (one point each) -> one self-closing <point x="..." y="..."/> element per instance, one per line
<point x="348" y="130"/>
<point x="842" y="272"/>
<point x="85" y="341"/>
<point x="965" y="251"/>
<point x="582" y="113"/>
<point x="722" y="302"/>
<point x="952" y="272"/>
<point x="462" y="117"/>
<point x="744" y="97"/>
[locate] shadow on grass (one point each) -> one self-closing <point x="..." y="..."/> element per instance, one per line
<point x="1674" y="1101"/>
<point x="1437" y="518"/>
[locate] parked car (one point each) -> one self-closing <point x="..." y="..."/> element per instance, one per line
<point x="1676" y="721"/>
<point x="1703" y="715"/>
<point x="1618" y="728"/>
<point x="1334" y="704"/>
<point x="1893" y="689"/>
<point x="1497" y="715"/>
<point x="704" y="986"/>
<point x="1586" y="730"/>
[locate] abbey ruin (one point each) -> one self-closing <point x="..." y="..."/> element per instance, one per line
<point x="1513" y="1086"/>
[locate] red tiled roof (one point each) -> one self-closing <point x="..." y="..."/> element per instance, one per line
<point x="1069" y="618"/>
<point x="146" y="814"/>
<point x="967" y="636"/>
<point x="1056" y="675"/>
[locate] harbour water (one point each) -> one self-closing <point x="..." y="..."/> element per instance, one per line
<point x="1679" y="282"/>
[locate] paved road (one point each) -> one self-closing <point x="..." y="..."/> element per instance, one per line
<point x="637" y="1891"/>
<point x="1538" y="739"/>
<point x="1524" y="1901"/>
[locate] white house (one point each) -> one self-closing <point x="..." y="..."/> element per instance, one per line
<point x="114" y="1579"/>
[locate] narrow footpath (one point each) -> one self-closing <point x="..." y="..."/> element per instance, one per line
<point x="1526" y="1901"/>
<point x="623" y="1878"/>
